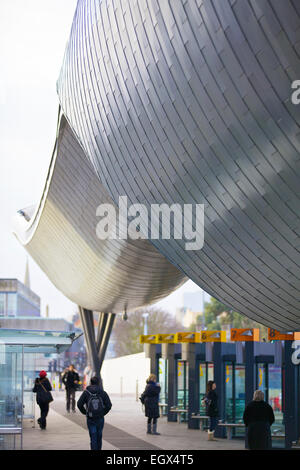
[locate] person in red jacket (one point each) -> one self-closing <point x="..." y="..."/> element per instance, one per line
<point x="42" y="388"/>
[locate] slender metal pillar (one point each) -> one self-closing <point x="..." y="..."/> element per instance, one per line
<point x="89" y="333"/>
<point x="106" y="335"/>
<point x="96" y="346"/>
<point x="101" y="329"/>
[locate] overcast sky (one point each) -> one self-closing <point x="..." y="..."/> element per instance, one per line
<point x="33" y="36"/>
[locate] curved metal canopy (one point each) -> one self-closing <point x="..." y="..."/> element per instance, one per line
<point x="189" y="102"/>
<point x="60" y="234"/>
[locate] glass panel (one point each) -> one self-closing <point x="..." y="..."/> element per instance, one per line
<point x="202" y="386"/>
<point x="10" y="442"/>
<point x="182" y="385"/>
<point x="163" y="380"/>
<point x="10" y="385"/>
<point x="262" y="379"/>
<point x="239" y="392"/>
<point x="2" y="305"/>
<point x="29" y="377"/>
<point x="275" y="399"/>
<point x="239" y="402"/>
<point x="229" y="393"/>
<point x="11" y="305"/>
<point x="210" y="373"/>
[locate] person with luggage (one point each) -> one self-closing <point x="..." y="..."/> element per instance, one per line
<point x="95" y="404"/>
<point x="70" y="379"/>
<point x="42" y="388"/>
<point x="150" y="398"/>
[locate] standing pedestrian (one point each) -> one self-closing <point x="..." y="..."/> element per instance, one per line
<point x="42" y="388"/>
<point x="258" y="418"/>
<point x="150" y="398"/>
<point x="211" y="402"/>
<point x="95" y="404"/>
<point x="70" y="380"/>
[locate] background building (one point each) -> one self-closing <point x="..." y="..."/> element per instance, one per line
<point x="18" y="300"/>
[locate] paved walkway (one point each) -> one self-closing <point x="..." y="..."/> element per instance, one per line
<point x="125" y="428"/>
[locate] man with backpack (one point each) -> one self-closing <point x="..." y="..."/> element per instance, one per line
<point x="95" y="404"/>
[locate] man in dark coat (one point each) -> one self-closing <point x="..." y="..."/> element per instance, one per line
<point x="42" y="388"/>
<point x="258" y="418"/>
<point x="150" y="398"/>
<point x="70" y="380"/>
<point x="95" y="425"/>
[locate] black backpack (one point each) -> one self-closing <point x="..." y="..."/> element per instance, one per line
<point x="95" y="406"/>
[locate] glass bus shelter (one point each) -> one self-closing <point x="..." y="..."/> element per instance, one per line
<point x="18" y="349"/>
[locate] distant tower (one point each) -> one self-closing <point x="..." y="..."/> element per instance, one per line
<point x="27" y="276"/>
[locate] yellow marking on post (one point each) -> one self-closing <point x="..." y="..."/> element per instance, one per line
<point x="187" y="337"/>
<point x="215" y="336"/>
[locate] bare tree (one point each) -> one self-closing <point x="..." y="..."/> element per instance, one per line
<point x="126" y="333"/>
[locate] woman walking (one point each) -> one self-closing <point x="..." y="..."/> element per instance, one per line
<point x="42" y="388"/>
<point x="258" y="418"/>
<point x="211" y="403"/>
<point x="150" y="398"/>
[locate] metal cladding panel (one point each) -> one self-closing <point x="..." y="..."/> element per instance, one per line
<point x="189" y="102"/>
<point x="102" y="275"/>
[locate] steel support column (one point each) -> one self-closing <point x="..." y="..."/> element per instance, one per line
<point x="89" y="334"/>
<point x="101" y="329"/>
<point x="219" y="378"/>
<point x="103" y="342"/>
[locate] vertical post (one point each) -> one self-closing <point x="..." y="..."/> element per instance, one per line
<point x="219" y="378"/>
<point x="168" y="353"/>
<point x="290" y="396"/>
<point x="150" y="352"/>
<point x="250" y="371"/>
<point x="89" y="333"/>
<point x="189" y="354"/>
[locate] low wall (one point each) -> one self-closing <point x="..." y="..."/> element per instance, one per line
<point x="126" y="374"/>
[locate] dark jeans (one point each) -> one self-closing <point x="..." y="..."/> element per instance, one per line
<point x="95" y="430"/>
<point x="44" y="412"/>
<point x="154" y="420"/>
<point x="70" y="395"/>
<point x="213" y="421"/>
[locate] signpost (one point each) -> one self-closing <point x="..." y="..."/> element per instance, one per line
<point x="187" y="337"/>
<point x="214" y="336"/>
<point x="244" y="334"/>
